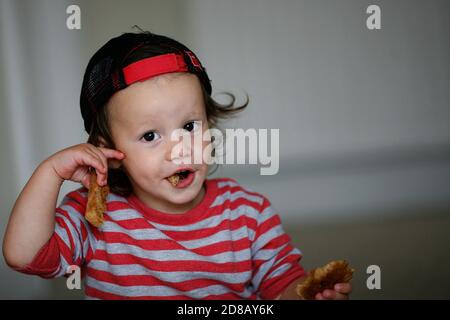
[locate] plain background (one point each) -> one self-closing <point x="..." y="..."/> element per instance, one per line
<point x="363" y="117"/>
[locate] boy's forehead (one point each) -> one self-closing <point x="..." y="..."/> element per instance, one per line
<point x="178" y="94"/>
<point x="177" y="84"/>
<point x="167" y="77"/>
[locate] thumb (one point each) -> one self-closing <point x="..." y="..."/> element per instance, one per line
<point x="85" y="181"/>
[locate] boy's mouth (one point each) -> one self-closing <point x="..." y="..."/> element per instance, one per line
<point x="180" y="175"/>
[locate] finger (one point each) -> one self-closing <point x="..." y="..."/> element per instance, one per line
<point x="101" y="156"/>
<point x="101" y="169"/>
<point x="85" y="181"/>
<point x="102" y="179"/>
<point x="114" y="157"/>
<point x="112" y="153"/>
<point x="93" y="161"/>
<point x="329" y="294"/>
<point x="345" y="288"/>
<point x="340" y="296"/>
<point x="319" y="296"/>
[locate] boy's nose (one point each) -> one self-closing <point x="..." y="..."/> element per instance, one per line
<point x="179" y="149"/>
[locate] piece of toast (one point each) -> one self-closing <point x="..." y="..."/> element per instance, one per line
<point x="323" y="278"/>
<point x="174" y="179"/>
<point x="96" y="204"/>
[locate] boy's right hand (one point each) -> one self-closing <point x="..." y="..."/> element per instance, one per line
<point x="73" y="163"/>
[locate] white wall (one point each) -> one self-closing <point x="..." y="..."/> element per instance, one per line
<point x="313" y="69"/>
<point x="363" y="115"/>
<point x="42" y="65"/>
<point x="39" y="110"/>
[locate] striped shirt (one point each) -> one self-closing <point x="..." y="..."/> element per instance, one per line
<point x="230" y="246"/>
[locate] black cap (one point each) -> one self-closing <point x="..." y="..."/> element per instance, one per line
<point x="113" y="67"/>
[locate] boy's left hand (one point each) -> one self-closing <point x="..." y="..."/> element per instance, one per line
<point x="339" y="292"/>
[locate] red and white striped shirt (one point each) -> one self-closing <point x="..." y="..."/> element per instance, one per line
<point x="230" y="246"/>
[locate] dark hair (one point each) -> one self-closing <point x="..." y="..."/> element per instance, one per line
<point x="118" y="180"/>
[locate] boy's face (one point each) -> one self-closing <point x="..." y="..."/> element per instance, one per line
<point x="142" y="118"/>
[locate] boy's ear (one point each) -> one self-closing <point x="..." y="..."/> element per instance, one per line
<point x="112" y="163"/>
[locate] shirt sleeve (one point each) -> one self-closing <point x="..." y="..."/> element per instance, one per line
<point x="71" y="243"/>
<point x="275" y="260"/>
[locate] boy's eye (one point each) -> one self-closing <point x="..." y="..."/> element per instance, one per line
<point x="150" y="136"/>
<point x="191" y="126"/>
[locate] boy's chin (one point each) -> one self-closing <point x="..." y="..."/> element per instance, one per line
<point x="185" y="196"/>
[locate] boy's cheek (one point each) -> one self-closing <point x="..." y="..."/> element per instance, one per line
<point x="207" y="154"/>
<point x="203" y="171"/>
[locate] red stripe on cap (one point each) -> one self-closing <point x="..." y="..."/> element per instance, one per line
<point x="153" y="66"/>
